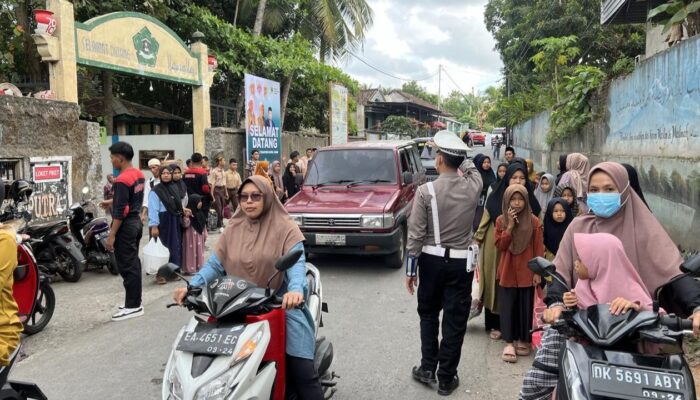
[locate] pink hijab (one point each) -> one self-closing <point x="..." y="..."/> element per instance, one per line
<point x="608" y="267"/>
<point x="578" y="168"/>
<point x="646" y="243"/>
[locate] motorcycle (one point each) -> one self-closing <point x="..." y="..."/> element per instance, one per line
<point x="16" y="390"/>
<point x="603" y="362"/>
<point x="92" y="234"/>
<point x="235" y="347"/>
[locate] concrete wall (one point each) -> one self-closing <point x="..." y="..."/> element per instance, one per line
<point x="32" y="127"/>
<point x="650" y="119"/>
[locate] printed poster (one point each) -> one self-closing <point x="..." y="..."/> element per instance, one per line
<point x="339" y="114"/>
<point x="52" y="187"/>
<point x="262" y="118"/>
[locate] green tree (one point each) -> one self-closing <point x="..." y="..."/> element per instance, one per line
<point x="554" y="55"/>
<point x="399" y="125"/>
<point x="419" y="91"/>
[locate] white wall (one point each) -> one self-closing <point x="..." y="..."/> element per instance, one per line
<point x="181" y="144"/>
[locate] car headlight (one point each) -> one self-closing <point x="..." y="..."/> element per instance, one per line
<point x="378" y="221"/>
<point x="174" y="385"/>
<point x="573" y="378"/>
<point x="297" y="218"/>
<point x="218" y="388"/>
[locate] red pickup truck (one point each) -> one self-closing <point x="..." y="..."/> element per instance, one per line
<point x="356" y="199"/>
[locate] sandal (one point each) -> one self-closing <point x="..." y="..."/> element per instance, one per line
<point x="495" y="335"/>
<point x="509" y="354"/>
<point x="522" y="349"/>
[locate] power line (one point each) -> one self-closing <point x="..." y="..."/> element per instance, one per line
<point x="386" y="73"/>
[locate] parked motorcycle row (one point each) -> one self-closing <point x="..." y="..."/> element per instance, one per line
<point x="65" y="247"/>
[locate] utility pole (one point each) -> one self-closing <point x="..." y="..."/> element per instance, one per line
<point x="439" y="86"/>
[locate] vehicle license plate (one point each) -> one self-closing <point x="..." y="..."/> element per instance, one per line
<point x="330" y="240"/>
<point x="208" y="340"/>
<point x="636" y="383"/>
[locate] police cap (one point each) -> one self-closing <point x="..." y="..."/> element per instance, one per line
<point x="449" y="143"/>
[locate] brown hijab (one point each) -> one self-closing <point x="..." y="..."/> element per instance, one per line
<point x="578" y="168"/>
<point x="645" y="241"/>
<point x="249" y="248"/>
<point x="522" y="233"/>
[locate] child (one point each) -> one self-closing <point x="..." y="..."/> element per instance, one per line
<point x="556" y="219"/>
<point x="519" y="238"/>
<point x="568" y="193"/>
<point x="545" y="190"/>
<point x="601" y="267"/>
<point x="500" y="173"/>
<point x="195" y="224"/>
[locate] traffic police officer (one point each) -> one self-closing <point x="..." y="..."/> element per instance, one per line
<point x="439" y="234"/>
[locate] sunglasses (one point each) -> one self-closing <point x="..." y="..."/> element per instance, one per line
<point x="255" y="197"/>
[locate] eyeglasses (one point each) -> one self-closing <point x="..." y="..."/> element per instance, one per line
<point x="255" y="197"/>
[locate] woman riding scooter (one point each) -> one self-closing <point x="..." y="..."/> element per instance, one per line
<point x="258" y="234"/>
<point x="10" y="325"/>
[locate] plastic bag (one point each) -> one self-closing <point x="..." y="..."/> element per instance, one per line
<point x="537" y="313"/>
<point x="155" y="255"/>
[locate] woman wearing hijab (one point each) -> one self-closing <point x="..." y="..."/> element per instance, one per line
<point x="290" y="181"/>
<point x="195" y="235"/>
<point x="262" y="169"/>
<point x="257" y="235"/>
<point x="181" y="186"/>
<point x="489" y="255"/>
<point x="568" y="193"/>
<point x="578" y="167"/>
<point x="556" y="219"/>
<point x="634" y="183"/>
<point x="562" y="167"/>
<point x="276" y="175"/>
<point x="617" y="210"/>
<point x="483" y="164"/>
<point x="532" y="175"/>
<point x="165" y="216"/>
<point x="545" y="190"/>
<point x="500" y="173"/>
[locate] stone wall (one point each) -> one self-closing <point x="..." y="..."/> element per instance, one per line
<point x="32" y="127"/>
<point x="650" y="119"/>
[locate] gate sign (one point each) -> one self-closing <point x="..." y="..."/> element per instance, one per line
<point x="47" y="173"/>
<point x="136" y="43"/>
<point x="338" y="115"/>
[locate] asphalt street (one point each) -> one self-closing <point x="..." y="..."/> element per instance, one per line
<point x="372" y="323"/>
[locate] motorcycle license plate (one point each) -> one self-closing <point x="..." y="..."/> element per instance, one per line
<point x="209" y="340"/>
<point x="636" y="383"/>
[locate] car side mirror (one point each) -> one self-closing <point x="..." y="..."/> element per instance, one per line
<point x="407" y="178"/>
<point x="692" y="266"/>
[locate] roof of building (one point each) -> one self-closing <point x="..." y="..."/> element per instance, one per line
<point x="121" y="107"/>
<point x="394" y="96"/>
<point x="627" y="11"/>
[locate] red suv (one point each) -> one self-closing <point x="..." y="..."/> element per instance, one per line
<point x="357" y="197"/>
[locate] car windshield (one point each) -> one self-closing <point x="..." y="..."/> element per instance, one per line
<point x="346" y="167"/>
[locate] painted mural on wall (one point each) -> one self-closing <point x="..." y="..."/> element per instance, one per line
<point x="51" y="197"/>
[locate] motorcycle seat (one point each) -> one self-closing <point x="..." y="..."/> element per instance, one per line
<point x="38" y="231"/>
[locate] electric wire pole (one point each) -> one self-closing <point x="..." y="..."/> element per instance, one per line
<point x="439" y="86"/>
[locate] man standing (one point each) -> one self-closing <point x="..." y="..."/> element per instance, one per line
<point x="252" y="163"/>
<point x="233" y="182"/>
<point x="510" y="154"/>
<point x="269" y="123"/>
<point x="439" y="234"/>
<point x="154" y="166"/>
<point x="497" y="143"/>
<point x="125" y="234"/>
<point x="197" y="182"/>
<point x="303" y="163"/>
<point x="294" y="158"/>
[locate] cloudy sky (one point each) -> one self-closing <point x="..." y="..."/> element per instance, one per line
<point x="410" y="38"/>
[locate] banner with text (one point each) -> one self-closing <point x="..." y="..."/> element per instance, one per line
<point x="51" y="196"/>
<point x="339" y="114"/>
<point x="262" y="117"/>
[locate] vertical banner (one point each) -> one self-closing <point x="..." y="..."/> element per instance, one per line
<point x="262" y="117"/>
<point x="338" y="117"/>
<point x="52" y="190"/>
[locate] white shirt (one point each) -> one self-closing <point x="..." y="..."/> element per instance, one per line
<point x="151" y="181"/>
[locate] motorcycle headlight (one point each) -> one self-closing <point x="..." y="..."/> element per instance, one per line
<point x="574" y="385"/>
<point x="297" y="218"/>
<point x="175" y="385"/>
<point x="218" y="388"/>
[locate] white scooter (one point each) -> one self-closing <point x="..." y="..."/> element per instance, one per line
<point x="234" y="348"/>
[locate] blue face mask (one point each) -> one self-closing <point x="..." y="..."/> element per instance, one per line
<point x="604" y="205"/>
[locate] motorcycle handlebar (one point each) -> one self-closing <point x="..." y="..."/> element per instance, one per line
<point x="676" y="323"/>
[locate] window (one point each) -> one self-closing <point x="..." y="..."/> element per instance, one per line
<point x="338" y="167"/>
<point x="405" y="162"/>
<point x="145" y="155"/>
<point x="10" y="169"/>
<point x="415" y="159"/>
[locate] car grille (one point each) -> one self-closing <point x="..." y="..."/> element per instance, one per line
<point x="329" y="222"/>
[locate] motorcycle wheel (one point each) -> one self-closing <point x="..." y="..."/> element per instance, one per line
<point x="112" y="266"/>
<point x="43" y="310"/>
<point x="71" y="270"/>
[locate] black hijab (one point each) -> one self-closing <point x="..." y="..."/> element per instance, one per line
<point x="290" y="181"/>
<point x="634" y="182"/>
<point x="498" y="180"/>
<point x="181" y="183"/>
<point x="169" y="194"/>
<point x="199" y="218"/>
<point x="562" y="167"/>
<point x="487" y="175"/>
<point x="553" y="230"/>
<point x="495" y="201"/>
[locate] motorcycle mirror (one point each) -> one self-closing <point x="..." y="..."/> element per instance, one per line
<point x="543" y="267"/>
<point x="85" y="190"/>
<point x="691" y="266"/>
<point x="27" y="216"/>
<point x="169" y="272"/>
<point x="287" y="261"/>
